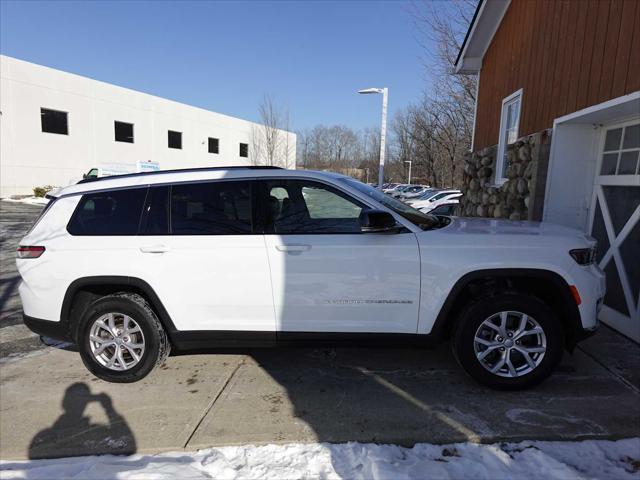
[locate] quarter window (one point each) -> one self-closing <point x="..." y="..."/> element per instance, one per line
<point x="299" y="206"/>
<point x="108" y="213"/>
<point x="123" y="132"/>
<point x="54" y="121"/>
<point x="509" y="127"/>
<point x="213" y="208"/>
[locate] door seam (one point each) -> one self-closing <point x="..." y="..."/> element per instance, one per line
<point x="273" y="299"/>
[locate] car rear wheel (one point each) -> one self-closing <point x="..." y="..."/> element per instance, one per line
<point x="121" y="339"/>
<point x="508" y="341"/>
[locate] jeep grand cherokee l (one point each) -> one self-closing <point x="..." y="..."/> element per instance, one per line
<point x="130" y="267"/>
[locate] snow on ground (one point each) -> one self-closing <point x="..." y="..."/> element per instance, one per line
<point x="29" y="200"/>
<point x="589" y="459"/>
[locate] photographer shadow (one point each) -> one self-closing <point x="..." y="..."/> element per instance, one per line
<point x="74" y="433"/>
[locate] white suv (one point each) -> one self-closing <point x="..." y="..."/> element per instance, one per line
<point x="130" y="267"/>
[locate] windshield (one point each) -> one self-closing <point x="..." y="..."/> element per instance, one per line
<point x="423" y="220"/>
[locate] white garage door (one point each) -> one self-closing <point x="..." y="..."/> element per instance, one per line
<point x="615" y="223"/>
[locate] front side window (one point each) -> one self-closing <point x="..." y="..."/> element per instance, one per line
<point x="174" y="139"/>
<point x="108" y="213"/>
<point x="422" y="220"/>
<point x="54" y="121"/>
<point x="212" y="208"/>
<point x="302" y="207"/>
<point x="123" y="132"/>
<point x="509" y="126"/>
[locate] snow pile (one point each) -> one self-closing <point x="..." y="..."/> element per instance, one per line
<point x="550" y="460"/>
<point x="29" y="200"/>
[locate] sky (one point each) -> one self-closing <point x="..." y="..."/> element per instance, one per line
<point x="311" y="57"/>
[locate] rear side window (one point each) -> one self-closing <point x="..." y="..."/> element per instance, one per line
<point x="212" y="208"/>
<point x="108" y="213"/>
<point x="156" y="212"/>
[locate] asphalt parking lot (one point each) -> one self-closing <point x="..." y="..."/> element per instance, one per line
<point x="15" y="338"/>
<point x="50" y="406"/>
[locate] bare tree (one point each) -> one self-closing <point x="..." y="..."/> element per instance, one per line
<point x="270" y="140"/>
<point x="436" y="133"/>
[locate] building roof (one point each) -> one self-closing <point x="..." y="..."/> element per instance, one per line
<point x="484" y="24"/>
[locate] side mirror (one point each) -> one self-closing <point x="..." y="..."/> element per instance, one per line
<point x="377" y="221"/>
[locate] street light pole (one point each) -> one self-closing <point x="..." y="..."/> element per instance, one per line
<point x="409" y="162"/>
<point x="383" y="128"/>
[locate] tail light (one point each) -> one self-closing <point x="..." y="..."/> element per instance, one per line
<point x="29" y="252"/>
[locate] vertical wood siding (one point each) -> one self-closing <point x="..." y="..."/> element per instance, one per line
<point x="565" y="54"/>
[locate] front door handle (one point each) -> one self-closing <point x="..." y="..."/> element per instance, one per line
<point x="154" y="249"/>
<point x="293" y="249"/>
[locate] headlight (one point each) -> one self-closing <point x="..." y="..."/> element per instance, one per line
<point x="584" y="256"/>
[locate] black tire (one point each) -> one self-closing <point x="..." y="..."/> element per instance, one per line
<point x="157" y="346"/>
<point x="479" y="310"/>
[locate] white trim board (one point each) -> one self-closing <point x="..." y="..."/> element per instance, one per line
<point x="502" y="145"/>
<point x="574" y="155"/>
<point x="480" y="35"/>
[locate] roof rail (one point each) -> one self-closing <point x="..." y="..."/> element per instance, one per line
<point x="180" y="170"/>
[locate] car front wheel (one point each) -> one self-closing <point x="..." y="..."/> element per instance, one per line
<point x="508" y="341"/>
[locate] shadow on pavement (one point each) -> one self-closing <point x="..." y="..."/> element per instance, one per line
<point x="74" y="434"/>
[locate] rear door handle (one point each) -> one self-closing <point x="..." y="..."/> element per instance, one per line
<point x="154" y="249"/>
<point x="293" y="249"/>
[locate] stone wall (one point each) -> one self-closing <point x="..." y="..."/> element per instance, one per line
<point x="521" y="197"/>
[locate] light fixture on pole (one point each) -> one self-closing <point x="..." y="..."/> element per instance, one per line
<point x="409" y="162"/>
<point x="383" y="128"/>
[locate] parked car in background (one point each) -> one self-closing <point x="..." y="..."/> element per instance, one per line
<point x="453" y="199"/>
<point x="448" y="208"/>
<point x="405" y="189"/>
<point x="397" y="189"/>
<point x="410" y="190"/>
<point x="131" y="266"/>
<point x="111" y="169"/>
<point x="387" y="187"/>
<point x="434" y="194"/>
<point x="410" y="194"/>
<point x="437" y="200"/>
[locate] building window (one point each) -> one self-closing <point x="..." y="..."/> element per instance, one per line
<point x="123" y="132"/>
<point x="621" y="154"/>
<point x="54" y="121"/>
<point x="214" y="145"/>
<point x="175" y="139"/>
<point x="509" y="123"/>
<point x="244" y="150"/>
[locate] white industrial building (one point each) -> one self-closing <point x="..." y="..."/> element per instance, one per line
<point x="55" y="126"/>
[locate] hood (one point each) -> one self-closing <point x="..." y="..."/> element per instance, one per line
<point x="511" y="228"/>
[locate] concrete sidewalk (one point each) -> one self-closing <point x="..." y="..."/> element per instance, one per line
<point x="51" y="406"/>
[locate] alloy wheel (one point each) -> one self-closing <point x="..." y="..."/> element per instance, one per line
<point x="116" y="341"/>
<point x="510" y="344"/>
